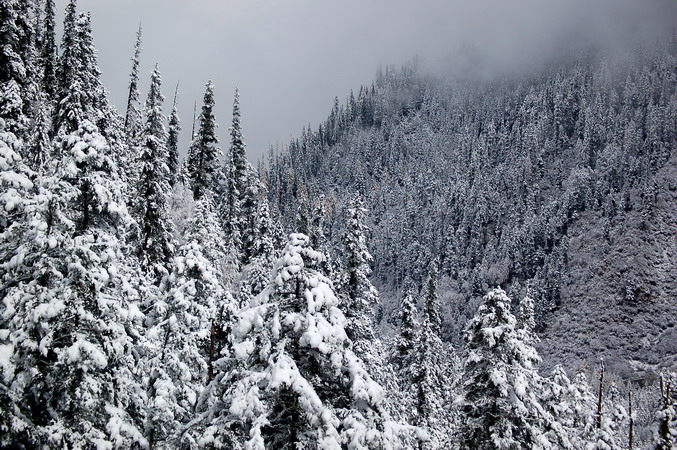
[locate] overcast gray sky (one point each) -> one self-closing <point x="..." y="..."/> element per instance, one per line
<point x="290" y="58"/>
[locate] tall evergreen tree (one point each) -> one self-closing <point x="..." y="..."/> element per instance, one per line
<point x="182" y="329"/>
<point x="49" y="53"/>
<point x="156" y="242"/>
<point x="238" y="149"/>
<point x="133" y="118"/>
<point x="74" y="308"/>
<point x="290" y="379"/>
<point x="406" y="342"/>
<point x="428" y="369"/>
<point x="501" y="404"/>
<point x="203" y="157"/>
<point x="236" y="188"/>
<point x="16" y="202"/>
<point x="666" y="437"/>
<point x="80" y="95"/>
<point x="432" y="301"/>
<point x="173" y="140"/>
<point x="14" y="68"/>
<point x="360" y="295"/>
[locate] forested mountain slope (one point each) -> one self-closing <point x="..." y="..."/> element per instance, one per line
<point x="561" y="185"/>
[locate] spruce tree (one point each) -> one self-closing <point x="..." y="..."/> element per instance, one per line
<point x="133" y="118"/>
<point x="431" y="299"/>
<point x="49" y="52"/>
<point x="17" y="183"/>
<point x="173" y="141"/>
<point x="290" y="379"/>
<point x="666" y="438"/>
<point x="240" y="204"/>
<point x="238" y="150"/>
<point x="181" y="333"/>
<point x="156" y="243"/>
<point x="360" y="296"/>
<point x="80" y="96"/>
<point x="428" y="369"/>
<point x="14" y="69"/>
<point x="75" y="311"/>
<point x="406" y="343"/>
<point x="501" y="405"/>
<point x="203" y="157"/>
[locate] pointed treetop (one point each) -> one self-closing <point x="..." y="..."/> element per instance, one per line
<point x="133" y="115"/>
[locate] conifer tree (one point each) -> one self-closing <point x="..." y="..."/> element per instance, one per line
<point x="133" y="118"/>
<point x="501" y="405"/>
<point x="249" y="207"/>
<point x="80" y="94"/>
<point x="74" y="309"/>
<point x="666" y="437"/>
<point x="156" y="242"/>
<point x="240" y="205"/>
<point x="431" y="300"/>
<point x="49" y="52"/>
<point x="238" y="150"/>
<point x="14" y="68"/>
<point x="360" y="295"/>
<point x="406" y="342"/>
<point x="203" y="157"/>
<point x="290" y="380"/>
<point x="180" y="332"/>
<point x="173" y="141"/>
<point x="17" y="185"/>
<point x="427" y="369"/>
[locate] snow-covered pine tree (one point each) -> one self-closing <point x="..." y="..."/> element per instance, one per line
<point x="74" y="311"/>
<point x="666" y="438"/>
<point x="431" y="299"/>
<point x="156" y="245"/>
<point x="236" y="216"/>
<point x="501" y="406"/>
<point x="359" y="295"/>
<point x="290" y="379"/>
<point x="80" y="95"/>
<point x="203" y="157"/>
<point x="257" y="272"/>
<point x="182" y="333"/>
<point x="238" y="150"/>
<point x="14" y="68"/>
<point x="409" y="325"/>
<point x="40" y="143"/>
<point x="49" y="54"/>
<point x="133" y="117"/>
<point x="318" y="217"/>
<point x="428" y="371"/>
<point x="173" y="141"/>
<point x="571" y="405"/>
<point x="69" y="64"/>
<point x="17" y="185"/>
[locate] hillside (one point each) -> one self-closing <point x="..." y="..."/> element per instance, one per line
<point x="559" y="185"/>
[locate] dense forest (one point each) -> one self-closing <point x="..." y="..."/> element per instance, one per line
<point x="443" y="263"/>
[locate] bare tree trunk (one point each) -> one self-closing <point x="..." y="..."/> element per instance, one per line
<point x="600" y="396"/>
<point x="631" y="434"/>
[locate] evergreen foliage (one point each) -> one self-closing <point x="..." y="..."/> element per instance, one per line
<point x="290" y="380"/>
<point x="173" y="141"/>
<point x="360" y="296"/>
<point x="501" y="406"/>
<point x="133" y="118"/>
<point x="204" y="154"/>
<point x="156" y="243"/>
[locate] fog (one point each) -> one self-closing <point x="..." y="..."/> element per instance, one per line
<point x="290" y="58"/>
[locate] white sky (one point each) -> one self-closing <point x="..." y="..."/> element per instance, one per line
<point x="290" y="58"/>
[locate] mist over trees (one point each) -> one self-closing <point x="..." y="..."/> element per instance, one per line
<point x="442" y="263"/>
